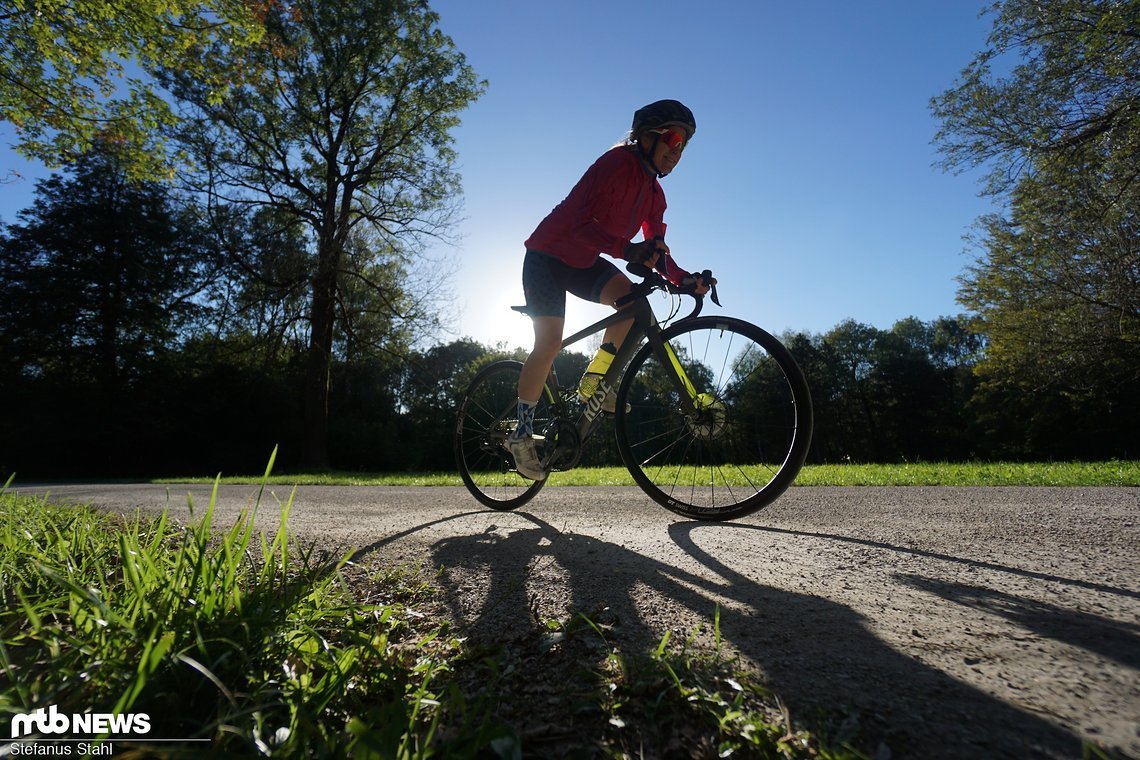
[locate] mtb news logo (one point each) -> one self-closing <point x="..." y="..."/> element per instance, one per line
<point x="50" y="721"/>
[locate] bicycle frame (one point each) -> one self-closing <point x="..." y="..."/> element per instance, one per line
<point x="645" y="326"/>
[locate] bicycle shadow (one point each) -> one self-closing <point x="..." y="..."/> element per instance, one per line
<point x="813" y="652"/>
<point x="1112" y="639"/>
<point x="958" y="708"/>
<point x="927" y="554"/>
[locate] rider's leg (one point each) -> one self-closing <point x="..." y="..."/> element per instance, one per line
<point x="536" y="368"/>
<point x="617" y="287"/>
<point x="521" y="443"/>
<point x="544" y="283"/>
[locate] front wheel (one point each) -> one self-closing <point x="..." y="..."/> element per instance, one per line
<point x="739" y="440"/>
<point x="487" y="415"/>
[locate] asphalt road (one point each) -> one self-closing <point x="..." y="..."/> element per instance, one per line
<point x="971" y="622"/>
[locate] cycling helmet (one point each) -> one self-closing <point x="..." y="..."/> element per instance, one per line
<point x="664" y="113"/>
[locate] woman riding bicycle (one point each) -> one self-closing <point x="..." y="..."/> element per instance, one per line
<point x="616" y="197"/>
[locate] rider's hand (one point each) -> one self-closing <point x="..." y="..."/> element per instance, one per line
<point x="698" y="283"/>
<point x="646" y="252"/>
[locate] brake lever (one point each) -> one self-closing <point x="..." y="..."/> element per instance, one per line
<point x="707" y="277"/>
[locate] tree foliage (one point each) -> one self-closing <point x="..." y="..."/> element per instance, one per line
<point x="891" y="395"/>
<point x="1057" y="79"/>
<point x="261" y="300"/>
<point x="101" y="276"/>
<point x="1052" y="109"/>
<point x="103" y="280"/>
<point x="77" y="71"/>
<point x="341" y="123"/>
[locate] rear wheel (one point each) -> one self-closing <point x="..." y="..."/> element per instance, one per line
<point x="748" y="435"/>
<point x="487" y="415"/>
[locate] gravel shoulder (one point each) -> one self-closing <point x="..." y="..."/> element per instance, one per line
<point x="953" y="622"/>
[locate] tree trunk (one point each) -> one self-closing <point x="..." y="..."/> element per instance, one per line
<point x="315" y="436"/>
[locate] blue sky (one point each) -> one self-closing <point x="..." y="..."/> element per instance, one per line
<point x="809" y="189"/>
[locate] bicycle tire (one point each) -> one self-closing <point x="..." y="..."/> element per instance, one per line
<point x="487" y="415"/>
<point x="750" y="437"/>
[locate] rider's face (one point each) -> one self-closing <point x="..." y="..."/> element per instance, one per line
<point x="666" y="158"/>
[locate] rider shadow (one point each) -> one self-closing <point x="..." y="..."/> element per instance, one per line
<point x="813" y="652"/>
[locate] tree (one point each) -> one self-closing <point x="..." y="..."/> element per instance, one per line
<point x="1056" y="289"/>
<point x="63" y="72"/>
<point x="263" y="297"/>
<point x="849" y="348"/>
<point x="100" y="276"/>
<point x="340" y="119"/>
<point x="432" y="385"/>
<point x="1073" y="85"/>
<point x="103" y="280"/>
<point x="890" y="395"/>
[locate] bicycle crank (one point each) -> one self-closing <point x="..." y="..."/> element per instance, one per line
<point x="563" y="447"/>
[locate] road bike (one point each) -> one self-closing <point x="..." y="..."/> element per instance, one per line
<point x="713" y="416"/>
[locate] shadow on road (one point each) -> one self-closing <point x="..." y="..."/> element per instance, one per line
<point x="813" y="652"/>
<point x="979" y="564"/>
<point x="1113" y="639"/>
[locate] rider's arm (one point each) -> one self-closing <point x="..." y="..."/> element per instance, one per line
<point x="654" y="228"/>
<point x="668" y="267"/>
<point x="601" y="187"/>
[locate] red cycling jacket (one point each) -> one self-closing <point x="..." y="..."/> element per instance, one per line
<point x="617" y="196"/>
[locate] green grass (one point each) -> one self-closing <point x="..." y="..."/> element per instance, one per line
<point x="246" y="640"/>
<point x="265" y="647"/>
<point x="1087" y="474"/>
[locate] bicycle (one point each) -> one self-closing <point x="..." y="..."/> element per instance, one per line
<point x="713" y="416"/>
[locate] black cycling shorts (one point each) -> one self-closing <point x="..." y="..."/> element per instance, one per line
<point x="546" y="280"/>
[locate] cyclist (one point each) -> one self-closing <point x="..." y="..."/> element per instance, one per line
<point x="616" y="197"/>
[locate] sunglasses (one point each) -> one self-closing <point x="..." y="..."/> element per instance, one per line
<point x="671" y="139"/>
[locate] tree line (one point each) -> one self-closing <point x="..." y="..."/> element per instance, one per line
<point x="135" y="343"/>
<point x="224" y="263"/>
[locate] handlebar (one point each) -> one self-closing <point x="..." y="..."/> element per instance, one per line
<point x="652" y="281"/>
